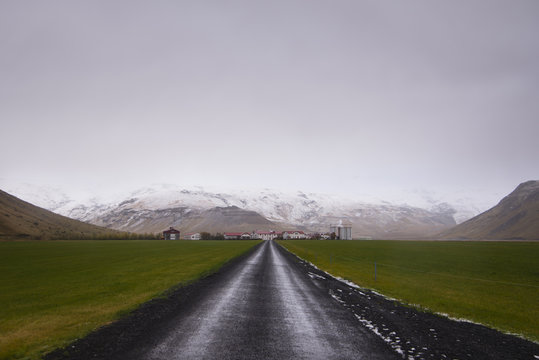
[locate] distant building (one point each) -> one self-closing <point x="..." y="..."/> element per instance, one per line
<point x="342" y="230"/>
<point x="294" y="234"/>
<point x="265" y="235"/>
<point x="232" y="235"/>
<point x="191" y="236"/>
<point x="171" y="234"/>
<point x="237" y="235"/>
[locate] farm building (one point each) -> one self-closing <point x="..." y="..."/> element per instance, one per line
<point x="191" y="236"/>
<point x="171" y="234"/>
<point x="342" y="230"/>
<point x="265" y="235"/>
<point x="294" y="234"/>
<point x="237" y="236"/>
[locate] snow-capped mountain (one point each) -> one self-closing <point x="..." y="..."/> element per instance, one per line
<point x="153" y="208"/>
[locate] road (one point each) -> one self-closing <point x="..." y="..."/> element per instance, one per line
<point x="266" y="307"/>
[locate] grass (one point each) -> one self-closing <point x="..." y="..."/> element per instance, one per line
<point x="493" y="283"/>
<point x="52" y="292"/>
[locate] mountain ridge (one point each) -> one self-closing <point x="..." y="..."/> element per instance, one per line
<point x="515" y="217"/>
<point x="154" y="209"/>
<point x="23" y="220"/>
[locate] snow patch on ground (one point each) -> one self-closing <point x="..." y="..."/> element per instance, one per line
<point x="392" y="340"/>
<point x="315" y="276"/>
<point x="417" y="306"/>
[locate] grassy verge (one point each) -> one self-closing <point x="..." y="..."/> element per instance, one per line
<point x="494" y="283"/>
<point x="53" y="292"/>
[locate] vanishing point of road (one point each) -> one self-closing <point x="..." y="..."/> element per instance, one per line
<point x="264" y="308"/>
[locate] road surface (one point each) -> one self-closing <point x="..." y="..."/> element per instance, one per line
<point x="266" y="308"/>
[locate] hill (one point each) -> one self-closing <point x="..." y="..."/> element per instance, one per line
<point x="20" y="219"/>
<point x="516" y="217"/>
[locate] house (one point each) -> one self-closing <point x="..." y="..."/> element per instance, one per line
<point x="171" y="234"/>
<point x="342" y="230"/>
<point x="237" y="235"/>
<point x="265" y="235"/>
<point x="232" y="235"/>
<point x="191" y="236"/>
<point x="294" y="234"/>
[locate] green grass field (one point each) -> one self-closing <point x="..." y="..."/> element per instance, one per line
<point x="493" y="283"/>
<point x="52" y="292"/>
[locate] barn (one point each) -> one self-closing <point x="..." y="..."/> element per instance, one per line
<point x="171" y="234"/>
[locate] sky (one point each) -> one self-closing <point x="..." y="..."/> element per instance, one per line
<point x="342" y="97"/>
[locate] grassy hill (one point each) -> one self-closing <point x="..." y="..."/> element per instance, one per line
<point x="516" y="217"/>
<point x="19" y="219"/>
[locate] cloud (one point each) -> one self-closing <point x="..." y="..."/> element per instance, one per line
<point x="295" y="94"/>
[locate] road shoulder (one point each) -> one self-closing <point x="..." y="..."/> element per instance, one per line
<point x="414" y="333"/>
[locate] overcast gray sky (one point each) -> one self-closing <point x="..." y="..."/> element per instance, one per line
<point x="324" y="96"/>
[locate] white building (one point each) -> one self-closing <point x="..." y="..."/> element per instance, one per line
<point x="294" y="234"/>
<point x="191" y="236"/>
<point x="342" y="230"/>
<point x="237" y="235"/>
<point x="265" y="235"/>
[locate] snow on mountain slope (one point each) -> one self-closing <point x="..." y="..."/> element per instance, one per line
<point x="150" y="208"/>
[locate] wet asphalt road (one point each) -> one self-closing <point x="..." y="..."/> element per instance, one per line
<point x="265" y="308"/>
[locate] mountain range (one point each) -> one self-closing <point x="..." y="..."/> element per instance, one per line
<point x="155" y="208"/>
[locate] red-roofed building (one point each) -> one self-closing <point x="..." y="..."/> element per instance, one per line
<point x="266" y="235"/>
<point x="191" y="236"/>
<point x="171" y="234"/>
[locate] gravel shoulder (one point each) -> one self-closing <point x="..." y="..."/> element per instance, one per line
<point x="416" y="334"/>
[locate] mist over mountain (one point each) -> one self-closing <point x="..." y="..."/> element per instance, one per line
<point x="152" y="209"/>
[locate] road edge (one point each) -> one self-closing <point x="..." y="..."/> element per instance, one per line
<point x="414" y="333"/>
